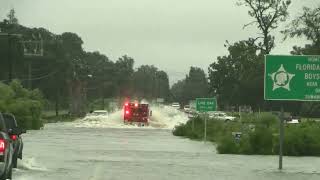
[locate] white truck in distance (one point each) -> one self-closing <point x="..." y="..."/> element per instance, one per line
<point x="175" y="105"/>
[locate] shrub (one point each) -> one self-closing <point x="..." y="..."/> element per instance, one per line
<point x="25" y="105"/>
<point x="300" y="140"/>
<point x="260" y="141"/>
<point x="245" y="145"/>
<point x="227" y="145"/>
<point x="179" y="130"/>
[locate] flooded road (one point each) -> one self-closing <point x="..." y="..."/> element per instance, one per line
<point x="94" y="150"/>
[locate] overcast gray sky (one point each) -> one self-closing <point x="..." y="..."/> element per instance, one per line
<point x="170" y="34"/>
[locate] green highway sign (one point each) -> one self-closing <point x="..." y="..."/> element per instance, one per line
<point x="292" y="78"/>
<point x="206" y="104"/>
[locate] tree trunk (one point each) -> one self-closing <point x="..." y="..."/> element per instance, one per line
<point x="102" y="95"/>
<point x="266" y="42"/>
<point x="57" y="103"/>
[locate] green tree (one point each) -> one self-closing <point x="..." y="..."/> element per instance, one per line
<point x="195" y="85"/>
<point x="266" y="14"/>
<point x="123" y="75"/>
<point x="162" y="87"/>
<point x="150" y="83"/>
<point x="306" y="25"/>
<point x="144" y="80"/>
<point x="236" y="79"/>
<point x="178" y="91"/>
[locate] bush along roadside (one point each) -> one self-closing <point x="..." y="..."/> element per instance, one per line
<point x="259" y="135"/>
<point x="25" y="105"/>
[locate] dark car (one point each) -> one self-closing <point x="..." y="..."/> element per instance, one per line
<point x="16" y="138"/>
<point x="6" y="151"/>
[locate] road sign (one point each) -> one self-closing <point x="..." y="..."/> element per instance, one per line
<point x="32" y="48"/>
<point x="206" y="104"/>
<point x="292" y="78"/>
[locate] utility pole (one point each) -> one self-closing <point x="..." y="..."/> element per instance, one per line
<point x="9" y="59"/>
<point x="205" y="127"/>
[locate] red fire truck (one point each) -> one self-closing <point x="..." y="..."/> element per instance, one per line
<point x="136" y="113"/>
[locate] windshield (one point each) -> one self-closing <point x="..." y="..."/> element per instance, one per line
<point x="160" y="89"/>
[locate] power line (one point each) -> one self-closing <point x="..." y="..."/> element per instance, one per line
<point x="41" y="77"/>
<point x="36" y="78"/>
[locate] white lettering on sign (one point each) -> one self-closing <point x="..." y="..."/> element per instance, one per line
<point x="311" y="76"/>
<point x="308" y="67"/>
<point x="202" y="103"/>
<point x="312" y="97"/>
<point x="210" y="103"/>
<point x="313" y="59"/>
<point x="312" y="84"/>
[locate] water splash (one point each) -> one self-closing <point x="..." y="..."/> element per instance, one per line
<point x="31" y="164"/>
<point x="164" y="117"/>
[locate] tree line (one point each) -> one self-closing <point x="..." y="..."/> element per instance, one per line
<point x="66" y="74"/>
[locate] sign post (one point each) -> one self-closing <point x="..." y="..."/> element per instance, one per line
<point x="291" y="78"/>
<point x="281" y="134"/>
<point x="205" y="128"/>
<point x="206" y="105"/>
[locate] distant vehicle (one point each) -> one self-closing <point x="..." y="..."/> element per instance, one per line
<point x="186" y="108"/>
<point x="175" y="105"/>
<point x="293" y="120"/>
<point x="16" y="138"/>
<point x="221" y="116"/>
<point x="99" y="113"/>
<point x="135" y="113"/>
<point x="6" y="151"/>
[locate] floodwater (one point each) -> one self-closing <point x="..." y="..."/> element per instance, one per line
<point x="102" y="148"/>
